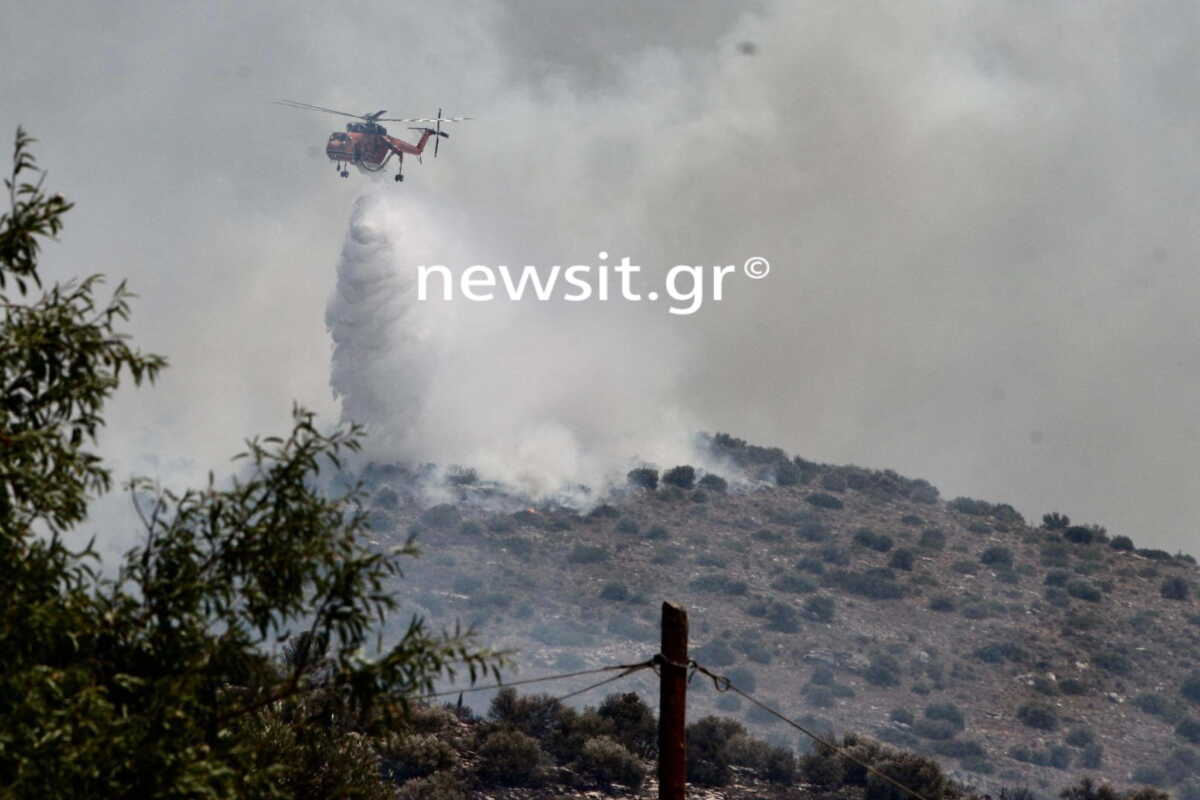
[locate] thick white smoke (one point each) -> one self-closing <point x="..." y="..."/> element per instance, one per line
<point x="544" y="397"/>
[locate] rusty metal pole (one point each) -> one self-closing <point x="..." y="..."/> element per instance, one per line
<point x="672" y="707"/>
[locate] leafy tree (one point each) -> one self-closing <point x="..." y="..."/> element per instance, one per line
<point x="160" y="682"/>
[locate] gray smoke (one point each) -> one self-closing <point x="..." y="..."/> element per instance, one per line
<point x="542" y="397"/>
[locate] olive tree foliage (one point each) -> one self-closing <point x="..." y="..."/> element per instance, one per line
<point x="156" y="682"/>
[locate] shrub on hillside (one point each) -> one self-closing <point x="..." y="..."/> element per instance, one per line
<point x="883" y="670"/>
<point x="902" y="559"/>
<point x="811" y="565"/>
<point x="793" y="584"/>
<point x="936" y="729"/>
<point x="643" y="478"/>
<point x="820" y="608"/>
<point x="607" y="762"/>
<point x="634" y="722"/>
<point x="1078" y="534"/>
<point x="1055" y="521"/>
<point x="1083" y="590"/>
<point x="970" y="507"/>
<point x="932" y="539"/>
<point x="1043" y="718"/>
<point x="707" y="753"/>
<point x="1113" y="661"/>
<point x="1190" y="689"/>
<point x="921" y="775"/>
<point x="715" y="654"/>
<point x="997" y="556"/>
<point x="587" y="554"/>
<point x="948" y="712"/>
<point x="1175" y="588"/>
<point x="718" y="584"/>
<point x="942" y="602"/>
<point x="511" y="758"/>
<point x="823" y="500"/>
<point x="1189" y="730"/>
<point x="1121" y="543"/>
<point x="880" y="542"/>
<point x="713" y="483"/>
<point x="683" y="477"/>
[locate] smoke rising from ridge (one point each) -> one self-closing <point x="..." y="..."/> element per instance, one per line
<point x="531" y="393"/>
<point x="980" y="217"/>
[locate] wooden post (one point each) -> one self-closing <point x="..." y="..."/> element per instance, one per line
<point x="672" y="708"/>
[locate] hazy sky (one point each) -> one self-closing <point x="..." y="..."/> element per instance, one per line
<point x="981" y="219"/>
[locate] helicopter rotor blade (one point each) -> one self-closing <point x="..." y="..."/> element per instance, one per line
<point x="422" y="119"/>
<point x="307" y="107"/>
<point x="437" y="140"/>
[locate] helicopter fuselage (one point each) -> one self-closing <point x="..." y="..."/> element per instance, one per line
<point x="368" y="147"/>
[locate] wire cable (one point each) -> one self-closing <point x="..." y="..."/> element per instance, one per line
<point x="624" y="669"/>
<point x="723" y="684"/>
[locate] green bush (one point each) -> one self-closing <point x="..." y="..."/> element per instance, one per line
<point x="902" y="559"/>
<point x="811" y="565"/>
<point x="883" y="670"/>
<point x="948" y="712"/>
<point x="932" y="539"/>
<point x="630" y="526"/>
<point x="511" y="758"/>
<point x="718" y="584"/>
<point x="999" y="652"/>
<point x="1121" y="543"/>
<point x="1190" y="688"/>
<point x="707" y="751"/>
<point x="1078" y="534"/>
<point x="1113" y="661"/>
<point x="643" y="478"/>
<point x="937" y="729"/>
<point x="715" y="654"/>
<point x="615" y="592"/>
<point x="415" y="756"/>
<point x="1055" y="521"/>
<point x="683" y="477"/>
<point x="820" y="608"/>
<point x="1175" y="588"/>
<point x="439" y="786"/>
<point x="1043" y="718"/>
<point x="587" y="554"/>
<point x="823" y="769"/>
<point x="1189" y="730"/>
<point x="1080" y="737"/>
<point x="1092" y="756"/>
<point x="1155" y="704"/>
<point x="1082" y="590"/>
<point x="879" y="542"/>
<point x="942" y="602"/>
<point x="922" y="775"/>
<point x="713" y="483"/>
<point x="822" y="500"/>
<point x="607" y="762"/>
<point x="793" y="584"/>
<point x="635" y="724"/>
<point x="997" y="556"/>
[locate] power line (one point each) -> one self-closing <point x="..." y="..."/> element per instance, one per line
<point x="723" y="684"/>
<point x="624" y="669"/>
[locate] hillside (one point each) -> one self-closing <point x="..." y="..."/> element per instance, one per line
<point x="854" y="600"/>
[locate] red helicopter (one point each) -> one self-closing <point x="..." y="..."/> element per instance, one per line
<point x="366" y="144"/>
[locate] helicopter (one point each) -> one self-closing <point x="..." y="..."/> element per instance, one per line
<point x="366" y="144"/>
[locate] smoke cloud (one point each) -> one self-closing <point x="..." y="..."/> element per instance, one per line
<point x="980" y="219"/>
<point x="547" y="398"/>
